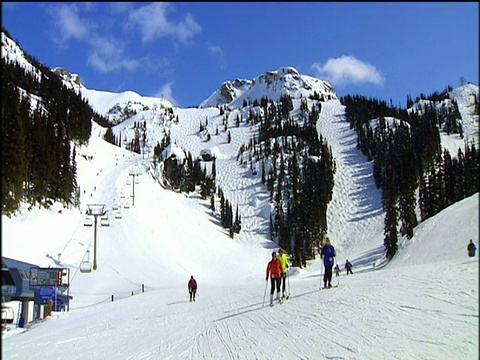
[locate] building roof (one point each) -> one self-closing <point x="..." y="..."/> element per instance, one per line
<point x="19" y="272"/>
<point x="16" y="264"/>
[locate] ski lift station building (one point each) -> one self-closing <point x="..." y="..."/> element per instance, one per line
<point x="16" y="286"/>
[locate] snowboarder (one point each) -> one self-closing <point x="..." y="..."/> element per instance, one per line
<point x="348" y="266"/>
<point x="337" y="270"/>
<point x="192" y="288"/>
<point x="328" y="255"/>
<point x="275" y="272"/>
<point x="471" y="248"/>
<point x="284" y="260"/>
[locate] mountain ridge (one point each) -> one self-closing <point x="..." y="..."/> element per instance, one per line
<point x="161" y="118"/>
<point x="271" y="84"/>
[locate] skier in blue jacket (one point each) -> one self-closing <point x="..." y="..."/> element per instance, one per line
<point x="328" y="255"/>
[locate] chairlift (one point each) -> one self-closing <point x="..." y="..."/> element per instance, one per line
<point x="105" y="220"/>
<point x="86" y="265"/>
<point x="88" y="221"/>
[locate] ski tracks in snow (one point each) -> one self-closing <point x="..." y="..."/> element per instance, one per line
<point x="356" y="206"/>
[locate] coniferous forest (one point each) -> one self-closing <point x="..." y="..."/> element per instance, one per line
<point x="409" y="160"/>
<point x="41" y="118"/>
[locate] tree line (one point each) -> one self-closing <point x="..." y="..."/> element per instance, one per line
<point x="408" y="158"/>
<point x="41" y="120"/>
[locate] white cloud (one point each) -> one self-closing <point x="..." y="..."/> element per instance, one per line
<point x="106" y="65"/>
<point x="347" y="69"/>
<point x="69" y="23"/>
<point x="153" y="23"/>
<point x="166" y="92"/>
<point x="217" y="51"/>
<point x="106" y="53"/>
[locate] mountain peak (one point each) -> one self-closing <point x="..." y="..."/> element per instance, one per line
<point x="272" y="84"/>
<point x="67" y="76"/>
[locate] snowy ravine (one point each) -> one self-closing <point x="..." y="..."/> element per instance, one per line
<point x="422" y="305"/>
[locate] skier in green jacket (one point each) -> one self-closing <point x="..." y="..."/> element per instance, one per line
<point x="284" y="260"/>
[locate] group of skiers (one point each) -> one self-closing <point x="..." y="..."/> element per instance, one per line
<point x="278" y="266"/>
<point x="277" y="269"/>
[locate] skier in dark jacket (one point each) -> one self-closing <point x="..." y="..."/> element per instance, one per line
<point x="192" y="288"/>
<point x="328" y="255"/>
<point x="471" y="248"/>
<point x="348" y="266"/>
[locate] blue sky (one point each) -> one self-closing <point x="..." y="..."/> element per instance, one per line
<point x="185" y="51"/>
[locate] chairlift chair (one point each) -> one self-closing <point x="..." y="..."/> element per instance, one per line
<point x="105" y="220"/>
<point x="88" y="221"/>
<point x="86" y="265"/>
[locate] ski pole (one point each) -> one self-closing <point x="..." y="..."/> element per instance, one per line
<point x="322" y="273"/>
<point x="288" y="281"/>
<point x="338" y="275"/>
<point x="265" y="293"/>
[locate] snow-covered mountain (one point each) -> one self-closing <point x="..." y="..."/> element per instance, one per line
<point x="11" y="52"/>
<point x="272" y="84"/>
<point x="409" y="308"/>
<point x="116" y="107"/>
<point x="228" y="92"/>
<point x="127" y="109"/>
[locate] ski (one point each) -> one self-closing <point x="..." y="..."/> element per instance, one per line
<point x="326" y="288"/>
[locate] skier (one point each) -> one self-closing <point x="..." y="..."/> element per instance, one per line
<point x="284" y="260"/>
<point x="328" y="254"/>
<point x="348" y="266"/>
<point x="274" y="270"/>
<point x="337" y="270"/>
<point x="192" y="288"/>
<point x="471" y="248"/>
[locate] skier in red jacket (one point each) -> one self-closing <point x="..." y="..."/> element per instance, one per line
<point x="275" y="271"/>
<point x="192" y="288"/>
